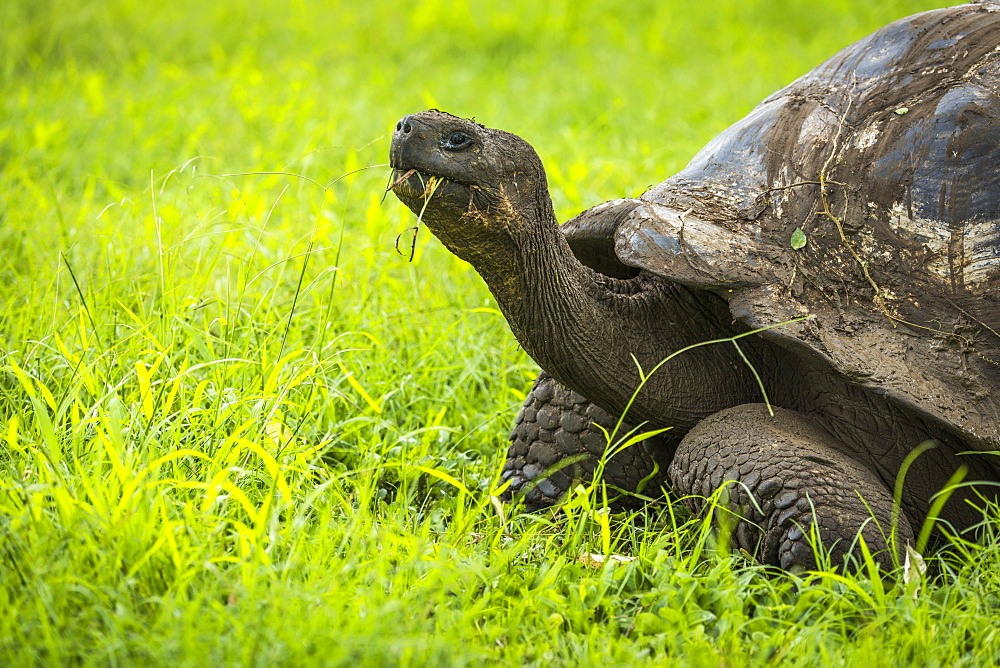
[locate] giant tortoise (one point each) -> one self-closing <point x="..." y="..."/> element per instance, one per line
<point x="841" y="244"/>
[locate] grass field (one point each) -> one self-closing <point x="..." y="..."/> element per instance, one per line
<point x="240" y="429"/>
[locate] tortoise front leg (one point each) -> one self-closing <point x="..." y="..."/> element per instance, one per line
<point x="799" y="479"/>
<point x="558" y="441"/>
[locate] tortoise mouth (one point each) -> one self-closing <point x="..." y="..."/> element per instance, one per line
<point x="412" y="184"/>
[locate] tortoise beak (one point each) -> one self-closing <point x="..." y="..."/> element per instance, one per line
<point x="408" y="141"/>
<point x="411" y="141"/>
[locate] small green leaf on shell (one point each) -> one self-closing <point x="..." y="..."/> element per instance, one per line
<point x="798" y="238"/>
<point x="901" y="111"/>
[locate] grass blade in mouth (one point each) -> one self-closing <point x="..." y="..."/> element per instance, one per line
<point x="429" y="189"/>
<point x="402" y="178"/>
<point x="306" y="178"/>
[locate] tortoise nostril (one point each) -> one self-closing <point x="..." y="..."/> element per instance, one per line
<point x="404" y="125"/>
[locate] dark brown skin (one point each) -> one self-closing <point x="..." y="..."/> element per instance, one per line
<point x="855" y="390"/>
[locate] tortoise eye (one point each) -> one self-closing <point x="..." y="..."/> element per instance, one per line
<point x="456" y="141"/>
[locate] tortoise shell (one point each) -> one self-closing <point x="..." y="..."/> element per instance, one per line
<point x="884" y="161"/>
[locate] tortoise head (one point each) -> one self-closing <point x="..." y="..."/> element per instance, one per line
<point x="469" y="183"/>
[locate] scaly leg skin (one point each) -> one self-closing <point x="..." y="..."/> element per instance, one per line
<point x="799" y="477"/>
<point x="556" y="424"/>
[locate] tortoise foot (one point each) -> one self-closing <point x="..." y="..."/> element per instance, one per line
<point x="788" y="486"/>
<point x="558" y="441"/>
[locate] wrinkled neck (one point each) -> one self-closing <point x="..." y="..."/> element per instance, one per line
<point x="593" y="332"/>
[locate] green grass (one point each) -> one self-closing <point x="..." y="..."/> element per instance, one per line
<point x="238" y="428"/>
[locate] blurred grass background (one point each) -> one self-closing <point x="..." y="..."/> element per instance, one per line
<point x="241" y="429"/>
